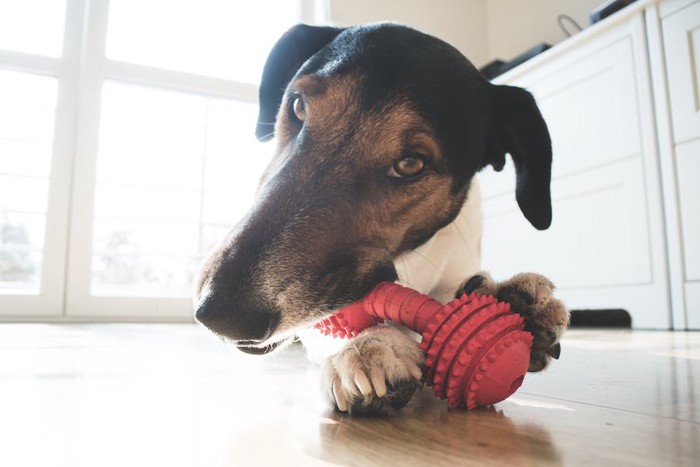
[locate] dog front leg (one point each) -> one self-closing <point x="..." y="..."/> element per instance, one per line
<point x="529" y="295"/>
<point x="379" y="368"/>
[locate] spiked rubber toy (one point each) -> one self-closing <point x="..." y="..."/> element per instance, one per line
<point x="477" y="352"/>
<point x="347" y="322"/>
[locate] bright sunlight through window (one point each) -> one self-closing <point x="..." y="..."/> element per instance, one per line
<point x="220" y="38"/>
<point x="127" y="147"/>
<point x="32" y="26"/>
<point x="174" y="172"/>
<point x="27" y="105"/>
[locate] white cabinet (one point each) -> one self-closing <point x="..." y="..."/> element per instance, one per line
<point x="681" y="32"/>
<point x="606" y="247"/>
<point x="688" y="163"/>
<point x="680" y="27"/>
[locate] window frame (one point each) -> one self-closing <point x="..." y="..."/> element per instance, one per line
<point x="49" y="302"/>
<point x="81" y="71"/>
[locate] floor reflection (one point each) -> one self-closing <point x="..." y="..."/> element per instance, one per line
<point x="86" y="395"/>
<point x="427" y="432"/>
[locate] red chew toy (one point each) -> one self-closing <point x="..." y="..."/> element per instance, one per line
<point x="347" y="322"/>
<point x="477" y="352"/>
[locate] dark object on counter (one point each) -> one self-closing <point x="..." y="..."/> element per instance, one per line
<point x="492" y="69"/>
<point x="498" y="67"/>
<point x="610" y="318"/>
<point x="607" y="9"/>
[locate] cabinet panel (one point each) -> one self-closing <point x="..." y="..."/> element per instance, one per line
<point x="589" y="101"/>
<point x="606" y="247"/>
<point x="692" y="300"/>
<point x="688" y="166"/>
<point x="599" y="235"/>
<point x="591" y="109"/>
<point x="682" y="48"/>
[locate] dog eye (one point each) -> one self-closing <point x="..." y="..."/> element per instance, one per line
<point x="408" y="166"/>
<point x="299" y="108"/>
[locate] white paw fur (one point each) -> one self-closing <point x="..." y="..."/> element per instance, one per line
<point x="359" y="374"/>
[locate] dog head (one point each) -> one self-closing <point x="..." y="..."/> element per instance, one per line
<point x="379" y="130"/>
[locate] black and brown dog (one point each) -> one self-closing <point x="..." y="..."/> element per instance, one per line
<point x="380" y="130"/>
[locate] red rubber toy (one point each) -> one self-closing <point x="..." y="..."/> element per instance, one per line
<point x="477" y="352"/>
<point x="347" y="322"/>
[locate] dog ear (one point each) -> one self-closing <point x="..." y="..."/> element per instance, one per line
<point x="517" y="128"/>
<point x="286" y="57"/>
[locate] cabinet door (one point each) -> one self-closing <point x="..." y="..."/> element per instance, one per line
<point x="682" y="47"/>
<point x="688" y="166"/>
<point x="605" y="248"/>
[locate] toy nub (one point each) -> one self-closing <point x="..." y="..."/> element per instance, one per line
<point x="347" y="322"/>
<point x="477" y="352"/>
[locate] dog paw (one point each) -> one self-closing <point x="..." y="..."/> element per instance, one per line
<point x="529" y="295"/>
<point x="379" y="368"/>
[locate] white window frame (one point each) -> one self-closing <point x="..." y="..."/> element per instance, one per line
<point x="49" y="302"/>
<point x="81" y="71"/>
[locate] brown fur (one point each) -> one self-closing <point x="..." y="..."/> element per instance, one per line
<point x="393" y="221"/>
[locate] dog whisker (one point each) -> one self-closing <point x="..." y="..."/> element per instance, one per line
<point x="268" y="135"/>
<point x="405" y="268"/>
<point x="407" y="282"/>
<point x="461" y="234"/>
<point x="425" y="258"/>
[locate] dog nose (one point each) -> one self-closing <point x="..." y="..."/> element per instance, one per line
<point x="206" y="311"/>
<point x="231" y="318"/>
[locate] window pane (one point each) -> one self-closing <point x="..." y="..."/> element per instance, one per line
<point x="23" y="194"/>
<point x="27" y="105"/>
<point x="32" y="26"/>
<point x="133" y="273"/>
<point x="221" y="38"/>
<point x="174" y="173"/>
<point x="19" y="270"/>
<point x="24" y="157"/>
<point x="22" y="230"/>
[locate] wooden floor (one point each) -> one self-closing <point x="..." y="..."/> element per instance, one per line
<point x="172" y="395"/>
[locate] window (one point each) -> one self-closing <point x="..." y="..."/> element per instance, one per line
<point x="127" y="148"/>
<point x="197" y="36"/>
<point x="27" y="108"/>
<point x="174" y="173"/>
<point x="23" y="30"/>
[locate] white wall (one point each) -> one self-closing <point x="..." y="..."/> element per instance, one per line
<point x="481" y="29"/>
<point x="516" y="25"/>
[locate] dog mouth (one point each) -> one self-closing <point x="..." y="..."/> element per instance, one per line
<point x="254" y="347"/>
<point x="260" y="349"/>
<point x="319" y="317"/>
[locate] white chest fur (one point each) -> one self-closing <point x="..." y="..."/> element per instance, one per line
<point x="452" y="255"/>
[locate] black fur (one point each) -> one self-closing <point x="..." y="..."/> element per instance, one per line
<point x="290" y="52"/>
<point x="466" y="107"/>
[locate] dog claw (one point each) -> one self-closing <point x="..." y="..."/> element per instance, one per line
<point x="412" y="367"/>
<point x="363" y="383"/>
<point x="340" y="400"/>
<point x="378" y="381"/>
<point x="555" y="351"/>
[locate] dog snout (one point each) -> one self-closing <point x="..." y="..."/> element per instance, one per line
<point x="352" y="273"/>
<point x="246" y="325"/>
<point x="384" y="272"/>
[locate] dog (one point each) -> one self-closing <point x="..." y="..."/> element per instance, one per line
<point x="379" y="132"/>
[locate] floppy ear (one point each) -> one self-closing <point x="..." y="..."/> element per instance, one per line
<point x="290" y="52"/>
<point x="517" y="127"/>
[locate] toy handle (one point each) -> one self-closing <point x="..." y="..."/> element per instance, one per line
<point x="401" y="305"/>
